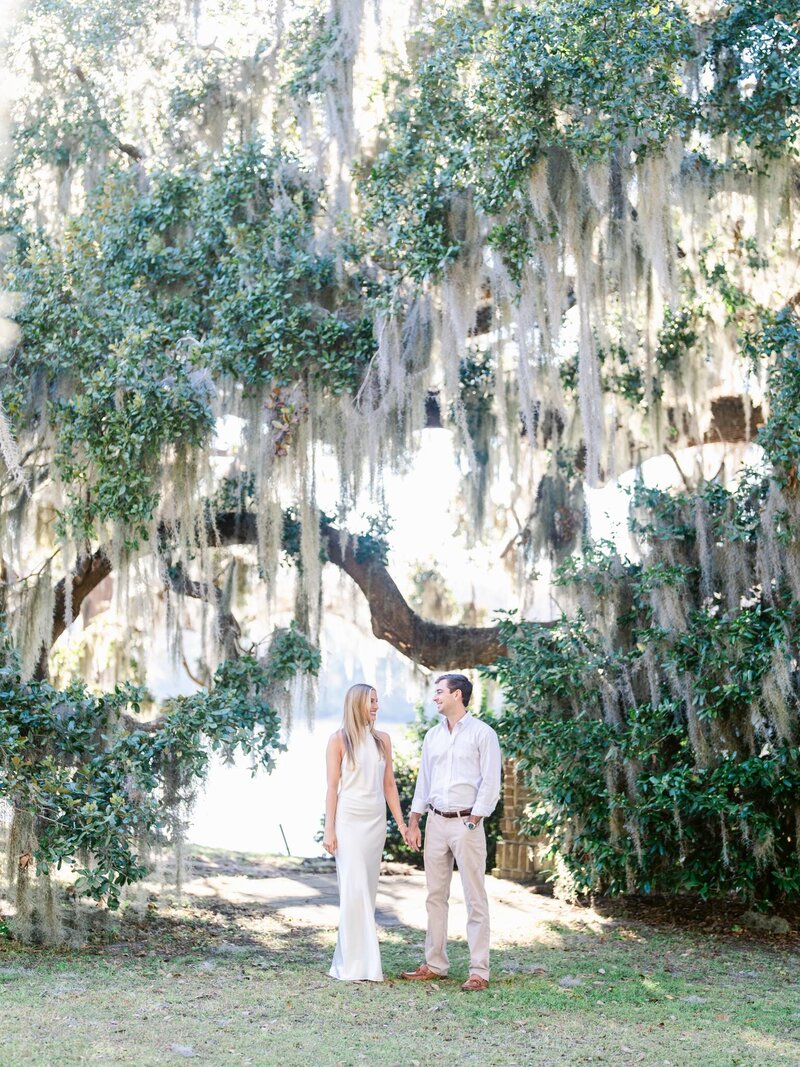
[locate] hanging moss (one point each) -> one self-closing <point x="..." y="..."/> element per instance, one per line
<point x="685" y="717"/>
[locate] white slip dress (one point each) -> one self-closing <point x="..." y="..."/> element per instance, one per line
<point x="360" y="836"/>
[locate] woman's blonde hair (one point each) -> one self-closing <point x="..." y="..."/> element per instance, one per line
<point x="356" y="721"/>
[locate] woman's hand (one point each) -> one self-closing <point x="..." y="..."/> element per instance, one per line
<point x="329" y="842"/>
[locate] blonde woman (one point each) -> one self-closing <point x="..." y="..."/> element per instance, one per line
<point x="360" y="784"/>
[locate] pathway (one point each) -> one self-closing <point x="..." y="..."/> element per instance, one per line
<point x="305" y="893"/>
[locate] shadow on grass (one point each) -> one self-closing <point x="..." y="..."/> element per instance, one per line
<point x="284" y="912"/>
<point x="563" y="981"/>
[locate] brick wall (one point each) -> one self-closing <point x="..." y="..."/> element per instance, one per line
<point x="518" y="857"/>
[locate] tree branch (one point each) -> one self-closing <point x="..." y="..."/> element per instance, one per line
<point x="88" y="574"/>
<point x="127" y="149"/>
<point x="434" y="645"/>
<point x="228" y="629"/>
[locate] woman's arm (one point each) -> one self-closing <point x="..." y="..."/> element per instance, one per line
<point x="333" y="763"/>
<point x="390" y="788"/>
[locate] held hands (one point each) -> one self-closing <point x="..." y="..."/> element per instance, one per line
<point x="413" y="837"/>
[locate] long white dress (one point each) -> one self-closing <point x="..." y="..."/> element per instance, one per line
<point x="360" y="836"/>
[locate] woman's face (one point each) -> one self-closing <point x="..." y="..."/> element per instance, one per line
<point x="373" y="706"/>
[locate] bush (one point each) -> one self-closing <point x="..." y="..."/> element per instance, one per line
<point x="658" y="725"/>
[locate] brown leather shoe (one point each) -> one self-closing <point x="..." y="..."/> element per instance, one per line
<point x="475" y="984"/>
<point x="423" y="973"/>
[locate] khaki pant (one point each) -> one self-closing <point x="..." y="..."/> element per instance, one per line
<point x="445" y="840"/>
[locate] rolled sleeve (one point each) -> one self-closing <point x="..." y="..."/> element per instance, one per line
<point x="491" y="770"/>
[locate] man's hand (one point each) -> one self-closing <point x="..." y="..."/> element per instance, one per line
<point x="414" y="837"/>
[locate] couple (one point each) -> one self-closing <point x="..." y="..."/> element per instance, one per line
<point x="458" y="786"/>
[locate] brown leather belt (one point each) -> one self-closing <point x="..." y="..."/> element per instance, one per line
<point x="451" y="814"/>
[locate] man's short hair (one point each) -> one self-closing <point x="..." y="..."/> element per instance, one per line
<point x="458" y="681"/>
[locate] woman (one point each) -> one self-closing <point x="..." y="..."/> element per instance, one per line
<point x="360" y="784"/>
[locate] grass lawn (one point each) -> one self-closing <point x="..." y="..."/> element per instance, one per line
<point x="224" y="982"/>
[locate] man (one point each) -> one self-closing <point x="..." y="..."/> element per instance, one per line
<point x="458" y="785"/>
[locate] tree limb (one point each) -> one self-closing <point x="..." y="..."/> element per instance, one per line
<point x="127" y="149"/>
<point x="228" y="629"/>
<point x="88" y="574"/>
<point x="434" y="645"/>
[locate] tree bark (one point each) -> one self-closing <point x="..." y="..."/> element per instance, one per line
<point x="88" y="575"/>
<point x="434" y="645"/>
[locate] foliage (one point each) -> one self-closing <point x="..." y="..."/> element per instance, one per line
<point x="487" y="99"/>
<point x="291" y="653"/>
<point x="100" y="783"/>
<point x="405" y="773"/>
<point x="76" y="51"/>
<point x="780" y="437"/>
<point x="676" y="337"/>
<point x="477" y="384"/>
<point x="227" y="266"/>
<point x="311" y="48"/>
<point x="658" y="725"/>
<point x="755" y="51"/>
<point x="373" y="545"/>
<point x="153" y="299"/>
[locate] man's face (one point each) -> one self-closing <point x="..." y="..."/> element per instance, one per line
<point x="444" y="700"/>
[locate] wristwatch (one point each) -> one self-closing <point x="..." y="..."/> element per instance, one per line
<point x="471" y="825"/>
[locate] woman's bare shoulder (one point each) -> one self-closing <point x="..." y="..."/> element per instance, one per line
<point x="384" y="737"/>
<point x="336" y="739"/>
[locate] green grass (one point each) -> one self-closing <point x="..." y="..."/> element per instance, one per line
<point x="224" y="983"/>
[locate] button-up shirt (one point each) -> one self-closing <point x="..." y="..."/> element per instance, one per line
<point x="459" y="769"/>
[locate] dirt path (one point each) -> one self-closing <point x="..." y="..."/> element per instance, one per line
<point x="305" y="893"/>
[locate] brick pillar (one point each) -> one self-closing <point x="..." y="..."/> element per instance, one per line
<point x="517" y="855"/>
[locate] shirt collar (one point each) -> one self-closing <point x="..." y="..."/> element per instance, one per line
<point x="443" y="719"/>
